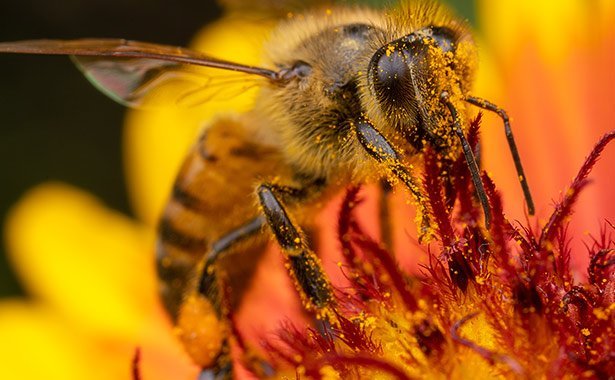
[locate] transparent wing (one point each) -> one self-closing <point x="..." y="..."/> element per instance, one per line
<point x="144" y="82"/>
<point x="140" y="74"/>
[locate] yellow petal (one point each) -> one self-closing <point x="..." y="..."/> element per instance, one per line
<point x="553" y="25"/>
<point x="157" y="141"/>
<point x="36" y="345"/>
<point x="94" y="265"/>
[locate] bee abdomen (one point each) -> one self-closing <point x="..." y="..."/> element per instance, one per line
<point x="184" y="241"/>
<point x="212" y="196"/>
<point x="176" y="272"/>
<point x="188" y="200"/>
<point x="183" y="234"/>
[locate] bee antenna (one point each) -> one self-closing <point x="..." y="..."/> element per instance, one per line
<point x="470" y="160"/>
<point x="486" y="105"/>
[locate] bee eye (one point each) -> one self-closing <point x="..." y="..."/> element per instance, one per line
<point x="396" y="66"/>
<point x="390" y="73"/>
<point x="391" y="70"/>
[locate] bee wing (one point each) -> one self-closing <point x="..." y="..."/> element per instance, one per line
<point x="139" y="74"/>
<point x="145" y="83"/>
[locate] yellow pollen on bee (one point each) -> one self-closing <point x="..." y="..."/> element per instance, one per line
<point x="390" y="50"/>
<point x="201" y="332"/>
<point x="585" y="332"/>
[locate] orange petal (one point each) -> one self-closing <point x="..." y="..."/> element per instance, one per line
<point x="556" y="61"/>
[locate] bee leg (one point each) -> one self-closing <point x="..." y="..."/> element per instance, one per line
<point x="304" y="266"/>
<point x="203" y="321"/>
<point x="487" y="105"/>
<point x="377" y="146"/>
<point x="385" y="214"/>
<point x="208" y="283"/>
<point x="222" y="370"/>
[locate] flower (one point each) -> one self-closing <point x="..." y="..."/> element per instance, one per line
<point x="481" y="307"/>
<point x="93" y="284"/>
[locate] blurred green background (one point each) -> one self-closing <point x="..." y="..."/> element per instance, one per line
<point x="54" y="124"/>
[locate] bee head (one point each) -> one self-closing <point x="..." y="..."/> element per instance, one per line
<point x="407" y="77"/>
<point x="312" y="104"/>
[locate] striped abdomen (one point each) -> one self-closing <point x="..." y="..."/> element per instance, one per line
<point x="212" y="195"/>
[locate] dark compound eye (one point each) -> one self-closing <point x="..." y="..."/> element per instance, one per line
<point x="395" y="66"/>
<point x="392" y="67"/>
<point x="390" y="71"/>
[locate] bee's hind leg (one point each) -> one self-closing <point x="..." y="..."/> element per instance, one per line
<point x="304" y="266"/>
<point x="208" y="282"/>
<point x="203" y="322"/>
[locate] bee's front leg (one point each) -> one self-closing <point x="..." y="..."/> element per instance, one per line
<point x="487" y="105"/>
<point x="377" y="147"/>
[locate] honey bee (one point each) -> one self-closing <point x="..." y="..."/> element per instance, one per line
<point x="347" y="95"/>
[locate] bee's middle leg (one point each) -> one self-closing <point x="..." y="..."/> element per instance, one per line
<point x="304" y="266"/>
